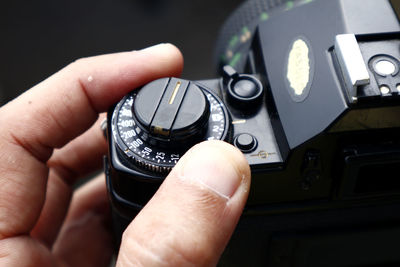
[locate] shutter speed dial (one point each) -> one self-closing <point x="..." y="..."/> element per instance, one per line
<point x="156" y="125"/>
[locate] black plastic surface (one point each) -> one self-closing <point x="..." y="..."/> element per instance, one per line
<point x="148" y="102"/>
<point x="171" y="109"/>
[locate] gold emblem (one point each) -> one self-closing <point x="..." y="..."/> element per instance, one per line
<point x="298" y="70"/>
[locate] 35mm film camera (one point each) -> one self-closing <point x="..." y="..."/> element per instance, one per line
<point x="310" y="94"/>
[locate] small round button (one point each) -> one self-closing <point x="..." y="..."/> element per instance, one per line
<point x="245" y="142"/>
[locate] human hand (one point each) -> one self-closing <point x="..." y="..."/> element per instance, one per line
<point x="189" y="220"/>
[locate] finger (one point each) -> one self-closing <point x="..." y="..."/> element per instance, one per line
<point x="81" y="156"/>
<point x="191" y="218"/>
<point x="63" y="106"/>
<point x="58" y="196"/>
<point x="58" y="110"/>
<point x="23" y="251"/>
<point x="85" y="238"/>
<point x="77" y="159"/>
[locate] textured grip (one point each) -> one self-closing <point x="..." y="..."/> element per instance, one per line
<point x="235" y="35"/>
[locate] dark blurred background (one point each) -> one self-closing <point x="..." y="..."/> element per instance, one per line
<point x="40" y="37"/>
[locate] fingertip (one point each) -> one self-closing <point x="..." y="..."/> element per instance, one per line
<point x="164" y="48"/>
<point x="169" y="53"/>
<point x="217" y="165"/>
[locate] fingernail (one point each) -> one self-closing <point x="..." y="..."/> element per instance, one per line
<point x="213" y="168"/>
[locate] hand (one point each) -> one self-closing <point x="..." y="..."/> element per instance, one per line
<point x="45" y="146"/>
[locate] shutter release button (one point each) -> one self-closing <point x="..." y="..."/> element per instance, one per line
<point x="243" y="91"/>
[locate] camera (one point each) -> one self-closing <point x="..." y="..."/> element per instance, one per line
<point x="309" y="92"/>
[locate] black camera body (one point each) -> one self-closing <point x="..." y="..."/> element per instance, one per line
<point x="316" y="115"/>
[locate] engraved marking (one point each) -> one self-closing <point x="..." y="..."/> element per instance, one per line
<point x="177" y="86"/>
<point x="239" y="122"/>
<point x="263" y="154"/>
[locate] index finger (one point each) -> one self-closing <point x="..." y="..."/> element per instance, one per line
<point x="57" y="110"/>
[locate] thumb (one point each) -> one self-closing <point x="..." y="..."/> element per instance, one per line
<point x="192" y="216"/>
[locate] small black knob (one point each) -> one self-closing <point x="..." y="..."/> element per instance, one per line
<point x="171" y="112"/>
<point x="245" y="142"/>
<point x="243" y="91"/>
